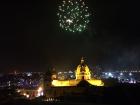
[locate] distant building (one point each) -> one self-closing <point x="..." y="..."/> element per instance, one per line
<point x="82" y="73"/>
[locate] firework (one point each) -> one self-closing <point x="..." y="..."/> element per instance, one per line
<point x="73" y="15"/>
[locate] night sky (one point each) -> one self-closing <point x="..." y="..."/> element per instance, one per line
<point x="31" y="39"/>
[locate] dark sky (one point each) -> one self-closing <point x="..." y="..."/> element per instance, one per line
<point x="31" y="39"/>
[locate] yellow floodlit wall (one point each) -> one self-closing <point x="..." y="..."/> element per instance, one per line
<point x="96" y="82"/>
<point x="65" y="83"/>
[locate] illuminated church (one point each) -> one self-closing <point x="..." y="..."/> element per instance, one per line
<point x="82" y="73"/>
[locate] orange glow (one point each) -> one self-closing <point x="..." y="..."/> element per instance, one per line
<point x="40" y="89"/>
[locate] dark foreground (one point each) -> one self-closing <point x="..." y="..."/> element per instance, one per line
<point x="25" y="102"/>
<point x="122" y="94"/>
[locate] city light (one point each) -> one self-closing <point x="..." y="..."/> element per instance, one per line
<point x="40" y="89"/>
<point x="24" y="94"/>
<point x="27" y="95"/>
<point x="110" y="75"/>
<point x="130" y="74"/>
<point x="18" y="91"/>
<point x="121" y="74"/>
<point x="40" y="92"/>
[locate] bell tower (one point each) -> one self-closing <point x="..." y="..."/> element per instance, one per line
<point x="82" y="60"/>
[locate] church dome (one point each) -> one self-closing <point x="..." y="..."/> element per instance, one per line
<point x="82" y="71"/>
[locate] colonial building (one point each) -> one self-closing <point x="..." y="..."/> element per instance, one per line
<point x="82" y="73"/>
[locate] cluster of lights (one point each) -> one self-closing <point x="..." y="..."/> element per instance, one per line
<point x="40" y="92"/>
<point x="109" y="74"/>
<point x="73" y="15"/>
<point x="133" y="71"/>
<point x="122" y="77"/>
<point x="65" y="75"/>
<point x="51" y="99"/>
<point x="26" y="95"/>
